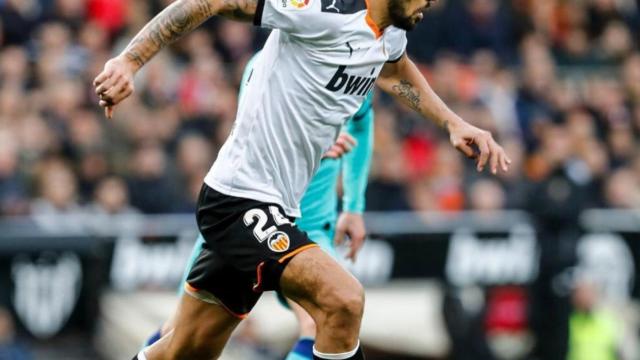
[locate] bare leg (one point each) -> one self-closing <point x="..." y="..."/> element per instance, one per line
<point x="305" y="321"/>
<point x="333" y="298"/>
<point x="200" y="331"/>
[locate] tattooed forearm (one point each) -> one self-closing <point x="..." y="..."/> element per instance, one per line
<point x="427" y="107"/>
<point x="408" y="93"/>
<point x="178" y="19"/>
<point x="405" y="82"/>
<point x="243" y="10"/>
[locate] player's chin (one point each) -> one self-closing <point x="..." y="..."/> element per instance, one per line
<point x="407" y="24"/>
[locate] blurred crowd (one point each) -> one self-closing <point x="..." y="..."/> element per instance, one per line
<point x="557" y="82"/>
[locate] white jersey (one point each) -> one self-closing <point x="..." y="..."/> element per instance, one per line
<point x="313" y="73"/>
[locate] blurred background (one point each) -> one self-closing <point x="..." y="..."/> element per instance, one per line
<point x="96" y="216"/>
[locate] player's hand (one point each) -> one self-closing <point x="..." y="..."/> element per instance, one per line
<point x="343" y="145"/>
<point x="351" y="225"/>
<point x="114" y="83"/>
<point x="478" y="144"/>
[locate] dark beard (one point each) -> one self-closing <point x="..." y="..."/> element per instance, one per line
<point x="398" y="19"/>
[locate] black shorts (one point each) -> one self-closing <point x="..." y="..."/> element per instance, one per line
<point x="247" y="245"/>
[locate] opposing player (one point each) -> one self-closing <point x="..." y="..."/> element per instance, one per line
<point x="319" y="209"/>
<point x="313" y="73"/>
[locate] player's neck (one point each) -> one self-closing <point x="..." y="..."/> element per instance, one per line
<point x="379" y="13"/>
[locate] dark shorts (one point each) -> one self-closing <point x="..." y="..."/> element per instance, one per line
<point x="247" y="245"/>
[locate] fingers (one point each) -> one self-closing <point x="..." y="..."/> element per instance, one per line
<point x="108" y="112"/>
<point x="499" y="158"/>
<point x="105" y="104"/>
<point x="485" y="152"/>
<point x="346" y="143"/>
<point x="495" y="157"/>
<point x="488" y="151"/>
<point x="357" y="239"/>
<point x="338" y="238"/>
<point x="333" y="153"/>
<point x="108" y="109"/>
<point x="493" y="154"/>
<point x="102" y="77"/>
<point x="106" y="84"/>
<point x="110" y="88"/>
<point x="466" y="149"/>
<point x="505" y="161"/>
<point x="108" y="101"/>
<point x="115" y="95"/>
<point x="343" y="145"/>
<point x="118" y="92"/>
<point x="350" y="140"/>
<point x="113" y="85"/>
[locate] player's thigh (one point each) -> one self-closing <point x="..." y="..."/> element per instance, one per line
<point x="200" y="331"/>
<point x="316" y="281"/>
<point x="323" y="236"/>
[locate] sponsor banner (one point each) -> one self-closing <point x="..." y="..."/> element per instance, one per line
<point x="52" y="282"/>
<point x="52" y="288"/>
<point x="150" y="261"/>
<point x="464" y="256"/>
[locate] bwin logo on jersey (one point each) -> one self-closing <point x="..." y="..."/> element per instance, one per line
<point x="351" y="84"/>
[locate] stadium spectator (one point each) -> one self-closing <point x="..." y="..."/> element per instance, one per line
<point x="13" y="194"/>
<point x="386" y="190"/>
<point x="594" y="333"/>
<point x="486" y="195"/>
<point x="194" y="157"/>
<point x="112" y="198"/>
<point x="57" y="207"/>
<point x="151" y="187"/>
<point x="623" y="189"/>
<point x="176" y="97"/>
<point x="557" y="81"/>
<point x="57" y="189"/>
<point x="10" y="347"/>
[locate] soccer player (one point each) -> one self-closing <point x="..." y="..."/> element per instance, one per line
<point x="313" y="73"/>
<point x="319" y="209"/>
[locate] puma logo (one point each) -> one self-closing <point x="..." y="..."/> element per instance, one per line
<point x="350" y="49"/>
<point x="333" y="5"/>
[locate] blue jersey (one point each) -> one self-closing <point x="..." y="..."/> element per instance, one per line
<point x="319" y="204"/>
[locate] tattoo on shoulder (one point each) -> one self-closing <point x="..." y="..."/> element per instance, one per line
<point x="405" y="90"/>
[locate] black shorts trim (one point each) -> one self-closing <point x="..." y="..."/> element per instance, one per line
<point x="207" y="297"/>
<point x="283" y="260"/>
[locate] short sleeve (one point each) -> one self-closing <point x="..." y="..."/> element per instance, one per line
<point x="396" y="43"/>
<point x="287" y="15"/>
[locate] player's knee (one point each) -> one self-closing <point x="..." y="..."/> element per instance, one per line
<point x="347" y="302"/>
<point x="353" y="303"/>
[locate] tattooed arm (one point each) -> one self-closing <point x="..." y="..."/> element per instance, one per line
<point x="403" y="80"/>
<point x="115" y="83"/>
